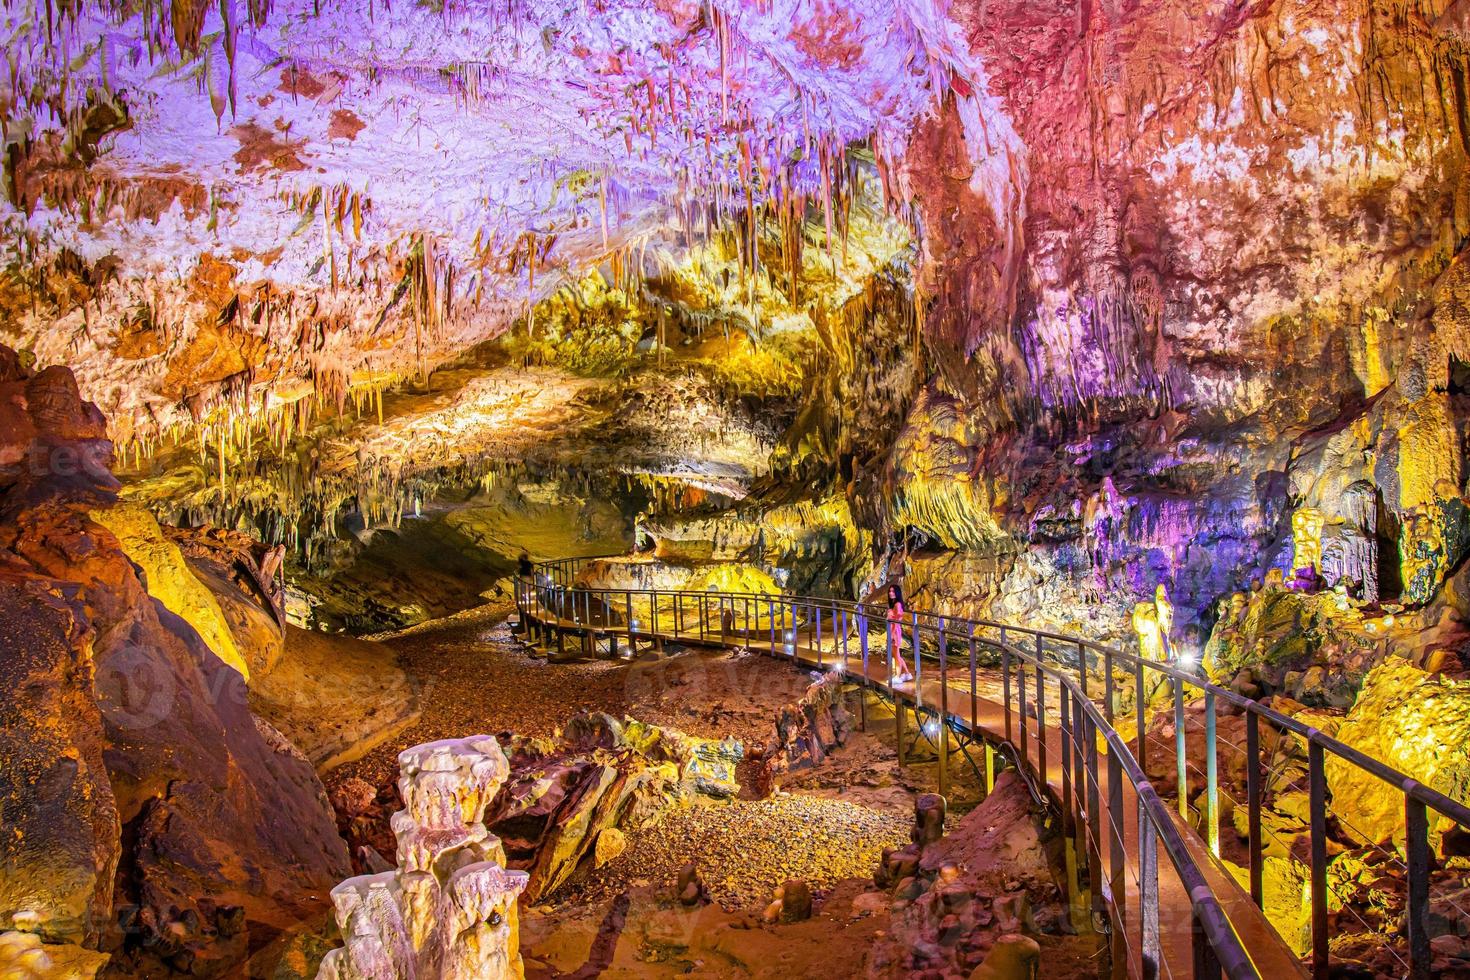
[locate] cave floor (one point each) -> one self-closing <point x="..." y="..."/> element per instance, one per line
<point x="827" y="825"/>
<point x="473" y="676"/>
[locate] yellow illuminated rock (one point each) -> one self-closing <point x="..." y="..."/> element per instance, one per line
<point x="1415" y="722"/>
<point x="24" y="957"/>
<point x="1152" y="621"/>
<point x="1306" y="538"/>
<point x="169" y="579"/>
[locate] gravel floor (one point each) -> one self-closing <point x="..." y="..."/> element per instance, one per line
<point x="745" y="848"/>
<point x="477" y="678"/>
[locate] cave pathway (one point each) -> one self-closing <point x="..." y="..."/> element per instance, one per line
<point x="1185" y="916"/>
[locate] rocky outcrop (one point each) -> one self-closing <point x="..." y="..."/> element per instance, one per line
<point x="806" y="732"/>
<point x="1415" y="722"/>
<point x="959" y="895"/>
<point x="1315" y="647"/>
<point x="169" y="579"/>
<point x="335" y="697"/>
<point x="449" y="909"/>
<point x="246" y="579"/>
<point x="165" y="821"/>
<point x="58" y="860"/>
<point x="601" y="774"/>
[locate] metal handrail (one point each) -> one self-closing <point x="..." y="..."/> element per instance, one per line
<point x="1418" y="798"/>
<point x="1216" y="945"/>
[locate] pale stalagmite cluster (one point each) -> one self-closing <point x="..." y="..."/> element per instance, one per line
<point x="449" y="908"/>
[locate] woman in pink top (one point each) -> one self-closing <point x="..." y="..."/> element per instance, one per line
<point x="895" y="634"/>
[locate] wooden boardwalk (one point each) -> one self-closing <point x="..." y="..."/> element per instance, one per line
<point x="979" y="716"/>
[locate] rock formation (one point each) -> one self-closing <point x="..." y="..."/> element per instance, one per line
<point x="1415" y="722"/>
<point x="806" y="731"/>
<point x="564" y="794"/>
<point x="148" y="813"/>
<point x="449" y="909"/>
<point x="569" y="803"/>
<point x="960" y="895"/>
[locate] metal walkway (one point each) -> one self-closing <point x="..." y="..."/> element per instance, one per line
<point x="1182" y="917"/>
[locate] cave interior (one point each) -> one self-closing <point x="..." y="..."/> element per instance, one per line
<point x="748" y="488"/>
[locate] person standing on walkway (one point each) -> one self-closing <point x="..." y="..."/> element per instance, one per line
<point x="895" y="633"/>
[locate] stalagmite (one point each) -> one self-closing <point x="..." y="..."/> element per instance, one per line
<point x="449" y="909"/>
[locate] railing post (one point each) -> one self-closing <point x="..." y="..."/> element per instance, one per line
<point x="794" y="629"/>
<point x="816" y="613"/>
<point x="1148" y="891"/>
<point x="1117" y="883"/>
<point x="918" y="668"/>
<point x="1416" y="901"/>
<point x="1005" y="679"/>
<point x="1082" y="817"/>
<point x="898" y="727"/>
<point x="974" y="697"/>
<point x="1040" y="716"/>
<point x="1253" y="805"/>
<point x="1079" y="798"/>
<point x="1068" y="819"/>
<point x="890" y="627"/>
<point x="839" y="646"/>
<point x="862" y="626"/>
<point x="1082" y="666"/>
<point x="1317" y="803"/>
<point x="943" y="714"/>
<point x="1181" y="750"/>
<point x="1108" y="686"/>
<point x="771" y="612"/>
<point x="1094" y="810"/>
<point x="1021" y="709"/>
<point x="1212" y="777"/>
<point x="1069" y="803"/>
<point x="1142" y="719"/>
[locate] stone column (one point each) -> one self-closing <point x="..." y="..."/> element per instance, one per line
<point x="449" y="909"/>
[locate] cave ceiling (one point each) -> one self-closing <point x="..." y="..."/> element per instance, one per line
<point x="973" y="256"/>
<point x="204" y="199"/>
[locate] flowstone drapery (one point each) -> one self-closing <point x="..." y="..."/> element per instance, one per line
<point x="449" y="909"/>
